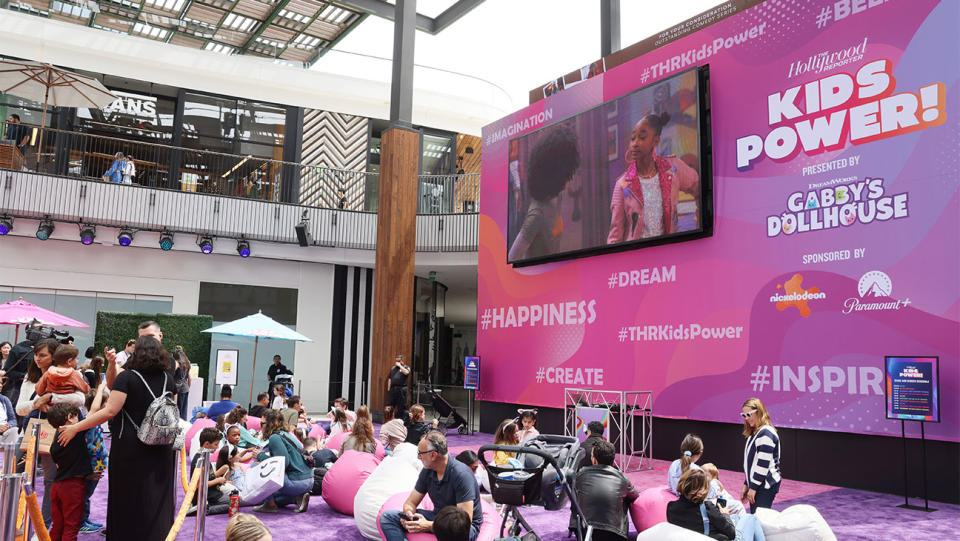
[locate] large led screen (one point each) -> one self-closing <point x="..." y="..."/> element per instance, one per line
<point x="627" y="173"/>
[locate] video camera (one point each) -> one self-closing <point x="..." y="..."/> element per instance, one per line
<point x="36" y="332"/>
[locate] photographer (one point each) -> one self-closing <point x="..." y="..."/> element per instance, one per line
<point x="397" y="387"/>
<point x="15" y="369"/>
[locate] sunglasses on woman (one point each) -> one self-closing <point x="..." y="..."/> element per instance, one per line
<point x="746" y="414"/>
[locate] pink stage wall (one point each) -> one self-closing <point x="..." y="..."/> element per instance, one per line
<point x="825" y="256"/>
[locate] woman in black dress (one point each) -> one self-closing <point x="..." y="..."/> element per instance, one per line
<point x="140" y="502"/>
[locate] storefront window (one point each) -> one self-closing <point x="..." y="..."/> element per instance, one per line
<point x="233" y="126"/>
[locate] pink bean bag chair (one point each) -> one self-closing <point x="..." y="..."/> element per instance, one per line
<point x="343" y="480"/>
<point x="195" y="429"/>
<point x="488" y="530"/>
<point x="317" y="432"/>
<point x="253" y="424"/>
<point x="334" y="442"/>
<point x="650" y="508"/>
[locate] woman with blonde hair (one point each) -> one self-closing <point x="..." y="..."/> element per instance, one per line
<point x="244" y="527"/>
<point x="761" y="456"/>
<point x="694" y="512"/>
<point x="361" y="438"/>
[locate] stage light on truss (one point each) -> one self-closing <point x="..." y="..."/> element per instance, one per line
<point x="125" y="237"/>
<point x="45" y="229"/>
<point x="206" y="244"/>
<point x="6" y="225"/>
<point x="87" y="234"/>
<point x="243" y="248"/>
<point x="166" y="240"/>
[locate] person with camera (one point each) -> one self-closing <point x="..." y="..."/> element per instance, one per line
<point x="397" y="387"/>
<point x="15" y="366"/>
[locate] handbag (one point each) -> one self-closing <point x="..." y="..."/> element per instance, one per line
<point x="262" y="480"/>
<point x="46" y="435"/>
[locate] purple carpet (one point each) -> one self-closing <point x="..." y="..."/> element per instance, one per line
<point x="852" y="514"/>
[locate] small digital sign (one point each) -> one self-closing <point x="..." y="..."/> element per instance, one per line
<point x="912" y="388"/>
<point x="471" y="373"/>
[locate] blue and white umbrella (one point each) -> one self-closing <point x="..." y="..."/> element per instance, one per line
<point x="258" y="326"/>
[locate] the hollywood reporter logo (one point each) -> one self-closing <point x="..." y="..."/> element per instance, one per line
<point x="540" y="315"/>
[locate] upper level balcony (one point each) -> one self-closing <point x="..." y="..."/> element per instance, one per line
<point x="74" y="177"/>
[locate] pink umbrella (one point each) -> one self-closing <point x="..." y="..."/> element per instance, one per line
<point x="20" y="312"/>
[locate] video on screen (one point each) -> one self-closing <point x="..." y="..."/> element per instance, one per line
<point x="624" y="174"/>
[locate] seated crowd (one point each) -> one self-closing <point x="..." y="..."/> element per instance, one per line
<point x="76" y="406"/>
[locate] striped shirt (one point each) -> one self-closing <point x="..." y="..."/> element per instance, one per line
<point x="761" y="458"/>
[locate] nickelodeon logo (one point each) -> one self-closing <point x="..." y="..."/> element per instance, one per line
<point x="794" y="295"/>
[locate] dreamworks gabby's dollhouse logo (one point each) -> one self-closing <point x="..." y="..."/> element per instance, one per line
<point x="874" y="289"/>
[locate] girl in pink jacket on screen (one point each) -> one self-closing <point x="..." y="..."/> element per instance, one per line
<point x="645" y="197"/>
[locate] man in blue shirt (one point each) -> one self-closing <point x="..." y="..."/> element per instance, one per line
<point x="17" y="132"/>
<point x="448" y="482"/>
<point x="224" y="406"/>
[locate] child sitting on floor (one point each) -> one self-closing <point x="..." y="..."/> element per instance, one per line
<point x="227" y="460"/>
<point x="318" y="456"/>
<point x="233" y="434"/>
<point x="210" y="439"/>
<point x="63" y="377"/>
<point x="691" y="449"/>
<point x="716" y="487"/>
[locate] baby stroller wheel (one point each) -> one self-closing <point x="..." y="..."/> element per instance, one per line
<point x="462" y="429"/>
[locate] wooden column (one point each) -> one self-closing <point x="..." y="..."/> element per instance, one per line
<point x="396" y="248"/>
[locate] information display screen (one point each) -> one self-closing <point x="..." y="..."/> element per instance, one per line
<point x="471" y="373"/>
<point x="627" y="173"/>
<point x="912" y="388"/>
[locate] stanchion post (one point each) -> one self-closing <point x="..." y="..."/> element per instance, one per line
<point x="36" y="454"/>
<point x="9" y="503"/>
<point x="202" y="495"/>
<point x="9" y="457"/>
<point x="27" y="525"/>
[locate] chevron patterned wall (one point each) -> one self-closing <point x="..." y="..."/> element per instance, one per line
<point x="333" y="141"/>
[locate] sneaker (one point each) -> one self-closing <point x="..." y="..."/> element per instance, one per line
<point x="96" y="524"/>
<point x="302" y="501"/>
<point x="88" y="527"/>
<point x="266" y="508"/>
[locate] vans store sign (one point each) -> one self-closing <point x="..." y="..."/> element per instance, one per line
<point x="132" y="104"/>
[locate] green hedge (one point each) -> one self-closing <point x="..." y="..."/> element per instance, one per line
<point x="115" y="328"/>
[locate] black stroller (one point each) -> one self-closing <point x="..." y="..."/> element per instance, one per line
<point x="546" y="479"/>
<point x="449" y="416"/>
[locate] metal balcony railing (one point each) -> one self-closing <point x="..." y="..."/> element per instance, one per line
<point x="62" y="199"/>
<point x="160" y="165"/>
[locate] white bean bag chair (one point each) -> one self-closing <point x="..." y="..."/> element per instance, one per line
<point x="796" y="523"/>
<point x="398" y="470"/>
<point x="665" y="531"/>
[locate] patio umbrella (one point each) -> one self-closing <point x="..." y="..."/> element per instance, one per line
<point x="51" y="85"/>
<point x="258" y="326"/>
<point x="21" y="312"/>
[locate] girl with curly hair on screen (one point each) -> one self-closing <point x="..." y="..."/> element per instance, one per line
<point x="553" y="161"/>
<point x="645" y="198"/>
